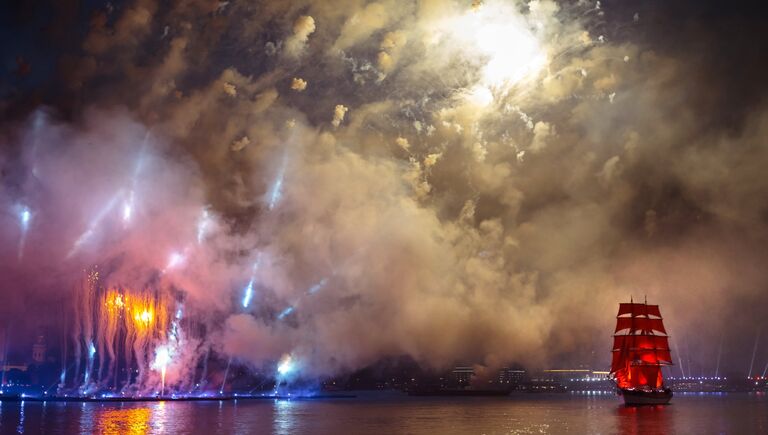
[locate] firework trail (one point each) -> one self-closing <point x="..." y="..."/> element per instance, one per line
<point x="94" y="224"/>
<point x="25" y="218"/>
<point x="276" y="192"/>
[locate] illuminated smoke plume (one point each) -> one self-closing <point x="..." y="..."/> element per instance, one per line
<point x="302" y="28"/>
<point x="298" y="84"/>
<point x="461" y="182"/>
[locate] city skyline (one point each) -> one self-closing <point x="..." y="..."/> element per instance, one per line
<point x="307" y="189"/>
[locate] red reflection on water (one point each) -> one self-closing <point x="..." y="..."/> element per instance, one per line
<point x="124" y="421"/>
<point x="636" y="420"/>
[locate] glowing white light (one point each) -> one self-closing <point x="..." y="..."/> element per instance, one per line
<point x="285" y="366"/>
<point x="128" y="208"/>
<point x="175" y="260"/>
<point x="277" y="188"/>
<point x="202" y="225"/>
<point x="145" y="316"/>
<point x="248" y="294"/>
<point x="504" y="41"/>
<point x="285" y="313"/>
<point x="91" y="350"/>
<point x="480" y="96"/>
<point x="162" y="357"/>
<point x="317" y="287"/>
<point x="513" y="52"/>
<point x="25" y="216"/>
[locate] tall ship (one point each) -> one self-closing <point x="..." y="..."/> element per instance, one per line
<point x="640" y="350"/>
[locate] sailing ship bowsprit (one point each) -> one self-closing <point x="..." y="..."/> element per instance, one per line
<point x="640" y="349"/>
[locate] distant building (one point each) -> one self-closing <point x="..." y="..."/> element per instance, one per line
<point x="511" y="377"/>
<point x="39" y="350"/>
<point x="463" y="375"/>
<point x="578" y="379"/>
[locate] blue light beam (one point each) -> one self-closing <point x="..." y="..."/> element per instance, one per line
<point x="286" y="312"/>
<point x="248" y="294"/>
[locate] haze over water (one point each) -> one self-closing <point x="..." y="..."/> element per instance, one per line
<point x="394" y="413"/>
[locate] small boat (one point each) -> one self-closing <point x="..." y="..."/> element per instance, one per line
<point x="640" y="350"/>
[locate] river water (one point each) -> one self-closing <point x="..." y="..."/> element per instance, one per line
<point x="393" y="413"/>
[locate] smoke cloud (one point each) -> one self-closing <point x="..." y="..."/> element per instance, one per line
<point x="436" y="191"/>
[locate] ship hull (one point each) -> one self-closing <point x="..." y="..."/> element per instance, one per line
<point x="639" y="397"/>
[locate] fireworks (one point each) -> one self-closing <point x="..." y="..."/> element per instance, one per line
<point x="162" y="358"/>
<point x="248" y="294"/>
<point x="285" y="366"/>
<point x="175" y="260"/>
<point x="317" y="287"/>
<point x="285" y="313"/>
<point x="25" y="217"/>
<point x="434" y="138"/>
<point x="277" y="188"/>
<point x="94" y="224"/>
<point x="203" y="225"/>
<point x="502" y="38"/>
<point x="120" y="327"/>
<point x="128" y="208"/>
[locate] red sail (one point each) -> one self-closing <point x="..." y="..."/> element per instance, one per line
<point x="640" y="375"/>
<point x="640" y="341"/>
<point x="639" y="353"/>
<point x="651" y="356"/>
<point x="636" y="324"/>
<point x="639" y="310"/>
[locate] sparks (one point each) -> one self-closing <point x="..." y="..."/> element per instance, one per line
<point x="162" y="359"/>
<point x="503" y="39"/>
<point x="144" y="317"/>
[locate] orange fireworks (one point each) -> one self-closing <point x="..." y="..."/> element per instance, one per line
<point x="141" y="308"/>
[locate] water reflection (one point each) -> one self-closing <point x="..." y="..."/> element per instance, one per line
<point x="20" y="427"/>
<point x="635" y="420"/>
<point x="528" y="414"/>
<point x="124" y="420"/>
<point x="86" y="418"/>
<point x="160" y="416"/>
<point x="284" y="421"/>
